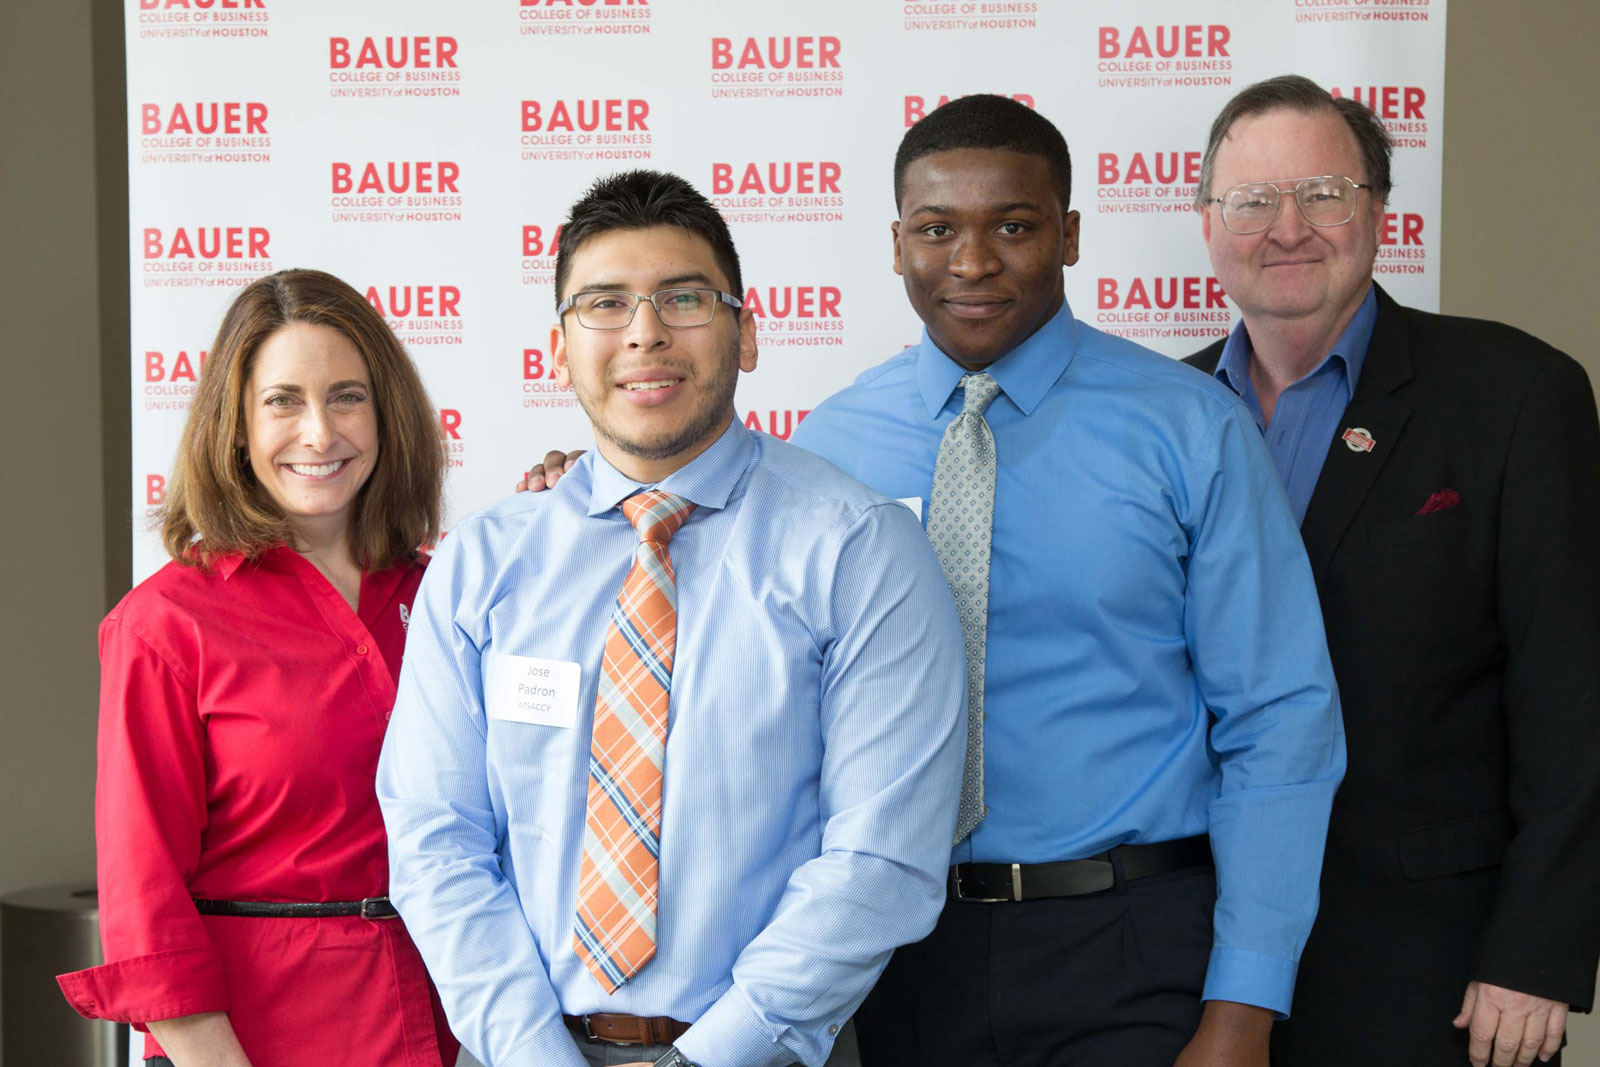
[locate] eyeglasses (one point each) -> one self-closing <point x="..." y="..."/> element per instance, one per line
<point x="1327" y="200"/>
<point x="677" y="308"/>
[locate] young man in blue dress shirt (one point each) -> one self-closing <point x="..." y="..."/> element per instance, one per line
<point x="1156" y="675"/>
<point x="805" y="790"/>
<point x="1154" y="690"/>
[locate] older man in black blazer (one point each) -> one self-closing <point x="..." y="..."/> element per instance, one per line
<point x="1447" y="472"/>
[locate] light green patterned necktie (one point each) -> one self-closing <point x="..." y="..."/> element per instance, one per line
<point x="960" y="522"/>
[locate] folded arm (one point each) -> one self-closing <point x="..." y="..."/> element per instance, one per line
<point x="444" y="861"/>
<point x="893" y="725"/>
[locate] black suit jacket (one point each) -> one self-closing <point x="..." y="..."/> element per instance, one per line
<point x="1458" y="563"/>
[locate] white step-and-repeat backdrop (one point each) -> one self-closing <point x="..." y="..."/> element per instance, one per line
<point x="426" y="151"/>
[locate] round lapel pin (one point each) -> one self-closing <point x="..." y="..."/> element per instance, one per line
<point x="1357" y="439"/>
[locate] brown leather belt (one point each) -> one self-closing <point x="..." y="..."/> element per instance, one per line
<point x="996" y="883"/>
<point x="626" y="1029"/>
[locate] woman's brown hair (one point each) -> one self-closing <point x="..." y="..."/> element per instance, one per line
<point x="215" y="506"/>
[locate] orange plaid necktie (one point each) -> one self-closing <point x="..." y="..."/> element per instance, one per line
<point x="615" y="930"/>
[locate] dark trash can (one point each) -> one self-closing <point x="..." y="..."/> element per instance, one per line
<point x="45" y="932"/>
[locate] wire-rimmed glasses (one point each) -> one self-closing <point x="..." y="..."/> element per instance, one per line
<point x="1325" y="200"/>
<point x="679" y="308"/>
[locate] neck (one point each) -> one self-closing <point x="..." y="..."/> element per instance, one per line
<point x="326" y="544"/>
<point x="648" y="470"/>
<point x="1285" y="350"/>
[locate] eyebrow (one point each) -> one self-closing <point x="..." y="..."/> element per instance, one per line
<point x="290" y="387"/>
<point x="997" y="209"/>
<point x="664" y="283"/>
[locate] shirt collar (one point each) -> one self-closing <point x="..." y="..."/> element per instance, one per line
<point x="708" y="480"/>
<point x="1233" y="368"/>
<point x="228" y="564"/>
<point x="1024" y="374"/>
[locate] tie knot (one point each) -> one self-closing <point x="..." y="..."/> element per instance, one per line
<point x="655" y="515"/>
<point x="981" y="391"/>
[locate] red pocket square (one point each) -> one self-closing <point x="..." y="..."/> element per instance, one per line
<point x="1444" y="498"/>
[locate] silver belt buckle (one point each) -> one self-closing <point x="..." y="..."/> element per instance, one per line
<point x="1016" y="888"/>
<point x="588" y="1032"/>
<point x="368" y="905"/>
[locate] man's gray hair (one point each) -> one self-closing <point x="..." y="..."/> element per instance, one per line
<point x="1302" y="94"/>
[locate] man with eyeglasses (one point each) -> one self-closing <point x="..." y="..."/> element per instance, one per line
<point x="1152" y="742"/>
<point x="1446" y="473"/>
<point x="677" y="748"/>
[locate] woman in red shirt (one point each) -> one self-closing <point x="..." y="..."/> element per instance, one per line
<point x="245" y="689"/>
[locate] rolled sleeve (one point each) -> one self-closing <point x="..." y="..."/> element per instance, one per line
<point x="159" y="985"/>
<point x="1251" y="978"/>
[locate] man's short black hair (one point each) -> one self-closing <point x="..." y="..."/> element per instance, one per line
<point x="986" y="121"/>
<point x="638" y="200"/>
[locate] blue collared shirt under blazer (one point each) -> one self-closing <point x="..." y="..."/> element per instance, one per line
<point x="813" y="759"/>
<point x="1307" y="414"/>
<point x="1156" y="665"/>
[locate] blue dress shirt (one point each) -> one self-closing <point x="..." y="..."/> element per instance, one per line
<point x="1156" y="662"/>
<point x="1306" y="417"/>
<point x="813" y="760"/>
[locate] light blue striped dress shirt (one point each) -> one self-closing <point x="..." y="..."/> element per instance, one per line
<point x="1156" y="662"/>
<point x="813" y="765"/>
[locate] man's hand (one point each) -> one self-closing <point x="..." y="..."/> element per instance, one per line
<point x="1507" y="1027"/>
<point x="545" y="475"/>
<point x="1230" y="1035"/>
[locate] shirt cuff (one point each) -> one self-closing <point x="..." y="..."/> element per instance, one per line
<point x="159" y="985"/>
<point x="1251" y="978"/>
<point x="730" y="1034"/>
<point x="549" y="1046"/>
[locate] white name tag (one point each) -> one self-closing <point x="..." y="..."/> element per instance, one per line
<point x="915" y="504"/>
<point x="543" y="692"/>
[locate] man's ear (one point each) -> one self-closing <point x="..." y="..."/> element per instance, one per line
<point x="1069" y="239"/>
<point x="747" y="340"/>
<point x="558" y="356"/>
<point x="1379" y="206"/>
<point x="894" y="228"/>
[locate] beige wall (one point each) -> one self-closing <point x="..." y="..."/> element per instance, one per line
<point x="1520" y="92"/>
<point x="1521" y="239"/>
<point x="55" y="543"/>
<point x="65" y="420"/>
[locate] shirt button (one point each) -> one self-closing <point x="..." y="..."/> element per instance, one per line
<point x="361" y="650"/>
<point x="833" y="1031"/>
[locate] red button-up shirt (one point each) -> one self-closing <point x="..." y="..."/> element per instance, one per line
<point x="241" y="714"/>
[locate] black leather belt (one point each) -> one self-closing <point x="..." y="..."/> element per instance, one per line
<point x="994" y="883"/>
<point x="370" y="908"/>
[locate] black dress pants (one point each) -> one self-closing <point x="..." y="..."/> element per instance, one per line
<point x="1108" y="980"/>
